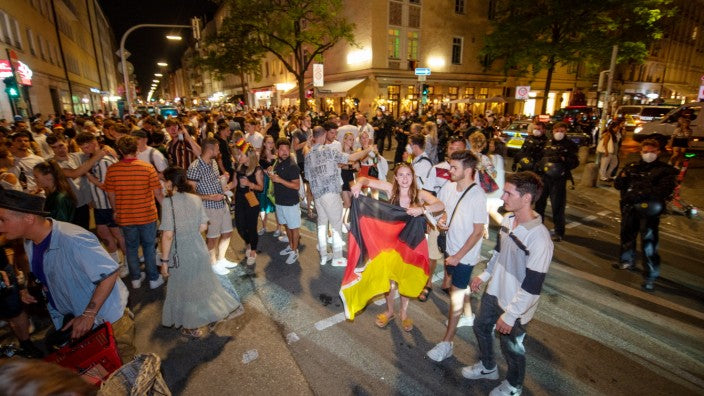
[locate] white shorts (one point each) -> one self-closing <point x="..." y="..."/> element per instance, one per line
<point x="219" y="222"/>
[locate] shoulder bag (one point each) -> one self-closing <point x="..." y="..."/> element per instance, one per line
<point x="442" y="236"/>
<point x="174" y="259"/>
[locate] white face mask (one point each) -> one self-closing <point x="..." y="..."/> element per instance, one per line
<point x="439" y="122"/>
<point x="649" y="157"/>
<point x="558" y="136"/>
<point x="409" y="150"/>
<point x="537" y="132"/>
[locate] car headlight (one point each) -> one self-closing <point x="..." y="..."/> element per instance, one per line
<point x="638" y="129"/>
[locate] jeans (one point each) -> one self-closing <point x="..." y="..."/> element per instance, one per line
<point x="632" y="224"/>
<point x="556" y="190"/>
<point x="511" y="344"/>
<point x="143" y="235"/>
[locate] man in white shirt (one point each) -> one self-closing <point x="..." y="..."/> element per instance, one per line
<point x="346" y="128"/>
<point x="463" y="222"/>
<point x="422" y="165"/>
<point x="516" y="273"/>
<point x="364" y="126"/>
<point x="331" y="135"/>
<point x="252" y="136"/>
<point x="149" y="154"/>
<point x="24" y="161"/>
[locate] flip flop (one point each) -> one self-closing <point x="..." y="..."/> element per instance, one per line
<point x="425" y="294"/>
<point x="382" y="320"/>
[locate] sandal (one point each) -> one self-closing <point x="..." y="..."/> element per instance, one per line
<point x="425" y="294"/>
<point x="407" y="324"/>
<point x="193" y="333"/>
<point x="383" y="319"/>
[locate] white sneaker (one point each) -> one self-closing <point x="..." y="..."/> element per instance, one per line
<point x="464" y="321"/>
<point x="293" y="257"/>
<point x="156" y="283"/>
<point x="137" y="283"/>
<point x="339" y="262"/>
<point x="124" y="271"/>
<point x="441" y="351"/>
<point x="330" y="240"/>
<point x="141" y="259"/>
<point x="220" y="270"/>
<point x="247" y="252"/>
<point x="261" y="232"/>
<point x="286" y="251"/>
<point x="225" y="263"/>
<point x="505" y="389"/>
<point x="276" y="233"/>
<point x="251" y="260"/>
<point x="283" y="238"/>
<point x="479" y="371"/>
<point x="323" y="259"/>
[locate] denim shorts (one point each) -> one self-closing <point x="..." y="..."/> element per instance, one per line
<point x="461" y="273"/>
<point x="290" y="216"/>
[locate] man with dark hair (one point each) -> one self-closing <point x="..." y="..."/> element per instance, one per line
<point x="252" y="135"/>
<point x="133" y="186"/>
<point x="331" y="135"/>
<point x="224" y="159"/>
<point x="645" y="185"/>
<point x="555" y="166"/>
<point x="286" y="178"/>
<point x="422" y="165"/>
<point x="24" y="160"/>
<point x="466" y="215"/>
<point x="77" y="276"/>
<point x="516" y="272"/>
<point x="182" y="148"/>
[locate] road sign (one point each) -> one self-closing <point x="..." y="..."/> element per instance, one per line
<point x="318" y="75"/>
<point x="422" y="71"/>
<point x="522" y="92"/>
<point x="701" y="92"/>
<point x="421" y="78"/>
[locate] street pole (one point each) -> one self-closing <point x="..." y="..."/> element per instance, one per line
<point x="607" y="95"/>
<point x="123" y="58"/>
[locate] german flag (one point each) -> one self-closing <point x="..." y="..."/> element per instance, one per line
<point x="384" y="244"/>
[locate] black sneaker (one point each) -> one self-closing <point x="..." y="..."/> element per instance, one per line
<point x="623" y="266"/>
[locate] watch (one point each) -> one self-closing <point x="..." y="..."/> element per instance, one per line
<point x="164" y="261"/>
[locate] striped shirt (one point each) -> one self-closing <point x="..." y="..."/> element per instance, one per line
<point x="99" y="170"/>
<point x="180" y="153"/>
<point x="207" y="181"/>
<point x="133" y="182"/>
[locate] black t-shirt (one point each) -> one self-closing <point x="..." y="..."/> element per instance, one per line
<point x="287" y="170"/>
<point x="302" y="137"/>
<point x="226" y="157"/>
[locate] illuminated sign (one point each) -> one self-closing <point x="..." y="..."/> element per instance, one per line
<point x="24" y="72"/>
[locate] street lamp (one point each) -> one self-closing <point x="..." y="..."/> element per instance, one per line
<point x="195" y="26"/>
<point x="162" y="64"/>
<point x="174" y="38"/>
<point x="158" y="75"/>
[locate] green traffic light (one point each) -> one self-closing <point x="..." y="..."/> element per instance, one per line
<point x="12" y="92"/>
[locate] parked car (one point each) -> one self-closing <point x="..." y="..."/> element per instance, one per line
<point x="168" y="111"/>
<point x="635" y="115"/>
<point x="151" y="110"/>
<point x="571" y="114"/>
<point x="515" y="134"/>
<point x="662" y="129"/>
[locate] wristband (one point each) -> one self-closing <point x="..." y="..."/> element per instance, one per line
<point x="164" y="261"/>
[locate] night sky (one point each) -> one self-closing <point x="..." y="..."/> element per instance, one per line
<point x="148" y="45"/>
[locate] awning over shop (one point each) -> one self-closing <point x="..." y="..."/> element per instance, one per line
<point x="495" y="99"/>
<point x="338" y="89"/>
<point x="682" y="89"/>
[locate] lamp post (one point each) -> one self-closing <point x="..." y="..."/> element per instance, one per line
<point x="123" y="59"/>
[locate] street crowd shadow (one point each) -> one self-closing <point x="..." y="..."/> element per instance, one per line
<point x="601" y="248"/>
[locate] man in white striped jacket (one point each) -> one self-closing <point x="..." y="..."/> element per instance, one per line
<point x="515" y="273"/>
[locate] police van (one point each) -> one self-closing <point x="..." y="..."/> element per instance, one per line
<point x="663" y="128"/>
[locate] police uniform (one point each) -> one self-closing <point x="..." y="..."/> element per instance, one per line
<point x="526" y="159"/>
<point x="644" y="188"/>
<point x="559" y="157"/>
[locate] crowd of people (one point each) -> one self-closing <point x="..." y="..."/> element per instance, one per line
<point x="152" y="185"/>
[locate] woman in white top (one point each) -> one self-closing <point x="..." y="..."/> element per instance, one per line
<point x="497" y="148"/>
<point x="404" y="193"/>
<point x="607" y="152"/>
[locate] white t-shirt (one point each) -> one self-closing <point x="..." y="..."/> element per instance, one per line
<point x="153" y="157"/>
<point x="343" y="130"/>
<point x="439" y="176"/>
<point x="471" y="211"/>
<point x="422" y="166"/>
<point x="255" y="139"/>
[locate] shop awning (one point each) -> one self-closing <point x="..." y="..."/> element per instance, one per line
<point x="682" y="89"/>
<point x="338" y="89"/>
<point x="495" y="99"/>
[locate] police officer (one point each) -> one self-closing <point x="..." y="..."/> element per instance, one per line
<point x="558" y="159"/>
<point x="526" y="159"/>
<point x="401" y="130"/>
<point x="644" y="186"/>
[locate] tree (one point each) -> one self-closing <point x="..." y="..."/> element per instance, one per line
<point x="230" y="52"/>
<point x="302" y="28"/>
<point x="537" y="35"/>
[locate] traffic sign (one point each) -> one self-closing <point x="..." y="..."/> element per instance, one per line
<point x="522" y="92"/>
<point x="422" y="71"/>
<point x="318" y="78"/>
<point x="701" y="93"/>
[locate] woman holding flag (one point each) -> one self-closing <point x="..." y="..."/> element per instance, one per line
<point x="404" y="193"/>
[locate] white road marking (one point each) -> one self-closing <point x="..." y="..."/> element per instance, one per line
<point x="604" y="212"/>
<point x="573" y="224"/>
<point x="590" y="218"/>
<point x="331" y="321"/>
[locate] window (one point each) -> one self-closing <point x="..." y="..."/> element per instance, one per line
<point x="42" y="47"/>
<point x="30" y="40"/>
<point x="394" y="44"/>
<point x="469" y="93"/>
<point x="414" y="17"/>
<point x="459" y="6"/>
<point x="395" y="13"/>
<point x="411" y="92"/>
<point x="4" y="30"/>
<point x="412" y="52"/>
<point x="16" y="35"/>
<point x="457" y="50"/>
<point x="414" y="1"/>
<point x="453" y="92"/>
<point x="266" y="68"/>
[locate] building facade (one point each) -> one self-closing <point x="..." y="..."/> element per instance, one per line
<point x="68" y="47"/>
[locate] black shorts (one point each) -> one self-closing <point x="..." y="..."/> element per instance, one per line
<point x="461" y="273"/>
<point x="680" y="142"/>
<point x="10" y="303"/>
<point x="104" y="217"/>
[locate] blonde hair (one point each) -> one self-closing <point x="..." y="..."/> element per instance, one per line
<point x="343" y="142"/>
<point x="252" y="161"/>
<point x="477" y="141"/>
<point x="432" y="131"/>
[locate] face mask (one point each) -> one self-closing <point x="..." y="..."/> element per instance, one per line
<point x="537" y="132"/>
<point x="439" y="122"/>
<point x="408" y="149"/>
<point x="649" y="157"/>
<point x="558" y="136"/>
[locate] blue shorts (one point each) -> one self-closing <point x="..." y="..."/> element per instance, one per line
<point x="104" y="217"/>
<point x="461" y="273"/>
<point x="290" y="216"/>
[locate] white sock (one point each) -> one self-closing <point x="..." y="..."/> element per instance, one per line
<point x="115" y="256"/>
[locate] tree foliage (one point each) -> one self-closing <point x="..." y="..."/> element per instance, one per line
<point x="532" y="36"/>
<point x="302" y="28"/>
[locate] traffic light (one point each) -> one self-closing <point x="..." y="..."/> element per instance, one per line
<point x="424" y="91"/>
<point x="11" y="87"/>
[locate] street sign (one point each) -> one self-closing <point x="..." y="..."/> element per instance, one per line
<point x="421" y="78"/>
<point x="318" y="80"/>
<point x="422" y="71"/>
<point x="522" y="92"/>
<point x="701" y="93"/>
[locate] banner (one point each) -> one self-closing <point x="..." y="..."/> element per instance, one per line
<point x="384" y="244"/>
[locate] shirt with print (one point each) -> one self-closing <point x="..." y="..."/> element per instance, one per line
<point x="322" y="171"/>
<point x="471" y="211"/>
<point x="207" y="180"/>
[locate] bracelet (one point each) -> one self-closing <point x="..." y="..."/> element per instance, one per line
<point x="164" y="261"/>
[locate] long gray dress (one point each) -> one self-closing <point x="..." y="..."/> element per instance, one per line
<point x="194" y="296"/>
